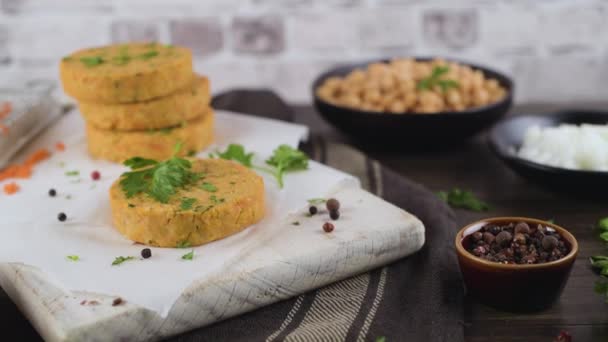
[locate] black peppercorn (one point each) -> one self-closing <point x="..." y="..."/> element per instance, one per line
<point x="504" y="238"/>
<point x="52" y="192"/>
<point x="312" y="210"/>
<point x="477" y="236"/>
<point x="522" y="227"/>
<point x="494" y="230"/>
<point x="62" y="217"/>
<point x="520" y="238"/>
<point x="146" y="253"/>
<point x="332" y="204"/>
<point x="334" y="214"/>
<point x="549" y="242"/>
<point x="488" y="238"/>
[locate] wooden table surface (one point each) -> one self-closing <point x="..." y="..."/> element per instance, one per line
<point x="580" y="311"/>
<point x="472" y="166"/>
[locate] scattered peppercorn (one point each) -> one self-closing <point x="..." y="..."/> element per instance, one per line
<point x="332" y="204"/>
<point x="52" y="193"/>
<point x="95" y="175"/>
<point x="146" y="253"/>
<point x="62" y="217"/>
<point x="328" y="227"/>
<point x="117" y="301"/>
<point x="517" y="243"/>
<point x="312" y="210"/>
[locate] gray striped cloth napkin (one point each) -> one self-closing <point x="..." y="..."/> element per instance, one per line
<point x="418" y="298"/>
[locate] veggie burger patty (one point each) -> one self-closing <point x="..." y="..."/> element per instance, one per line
<point x="125" y="73"/>
<point x="117" y="146"/>
<point x="168" y="111"/>
<point x="228" y="198"/>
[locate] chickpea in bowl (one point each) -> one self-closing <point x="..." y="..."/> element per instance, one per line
<point x="412" y="103"/>
<point x="407" y="85"/>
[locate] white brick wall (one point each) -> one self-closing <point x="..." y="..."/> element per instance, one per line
<point x="556" y="50"/>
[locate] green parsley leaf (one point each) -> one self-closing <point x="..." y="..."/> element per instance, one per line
<point x="188" y="256"/>
<point x="191" y="153"/>
<point x="463" y="199"/>
<point x="160" y="180"/>
<point x="131" y="205"/>
<point x="316" y="201"/>
<point x="237" y="153"/>
<point x="183" y="244"/>
<point x="148" y="55"/>
<point x="208" y="187"/>
<point x="435" y="80"/>
<point x="120" y="259"/>
<point x="139" y="162"/>
<point x="604" y="236"/>
<point x="92" y="61"/>
<point x="603" y="224"/>
<point x="187" y="203"/>
<point x="287" y="159"/>
<point x="72" y="173"/>
<point x="73" y="257"/>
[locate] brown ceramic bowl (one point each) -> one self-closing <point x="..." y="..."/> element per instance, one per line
<point x="514" y="287"/>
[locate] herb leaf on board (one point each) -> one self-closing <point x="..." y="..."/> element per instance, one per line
<point x="120" y="259"/>
<point x="237" y="153"/>
<point x="188" y="256"/>
<point x="287" y="159"/>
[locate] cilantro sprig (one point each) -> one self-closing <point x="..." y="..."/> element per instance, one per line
<point x="287" y="159"/>
<point x="159" y="180"/>
<point x="183" y="244"/>
<point x="237" y="153"/>
<point x="120" y="259"/>
<point x="73" y="257"/>
<point x="463" y="199"/>
<point x="283" y="160"/>
<point x="188" y="256"/>
<point x="600" y="262"/>
<point x="434" y="79"/>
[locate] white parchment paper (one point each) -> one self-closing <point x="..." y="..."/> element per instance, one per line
<point x="31" y="233"/>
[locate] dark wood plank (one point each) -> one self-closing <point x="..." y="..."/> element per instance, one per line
<point x="473" y="166"/>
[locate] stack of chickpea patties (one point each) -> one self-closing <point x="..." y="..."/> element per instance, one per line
<point x="139" y="99"/>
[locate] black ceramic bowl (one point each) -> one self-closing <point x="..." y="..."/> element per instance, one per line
<point x="506" y="137"/>
<point x="425" y="129"/>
